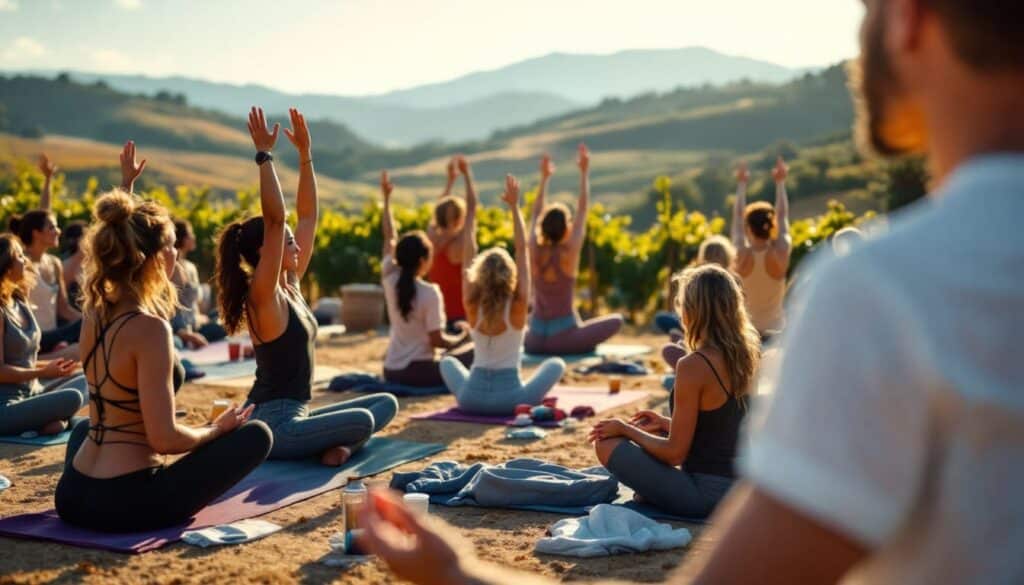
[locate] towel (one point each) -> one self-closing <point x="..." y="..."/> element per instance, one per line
<point x="519" y="482"/>
<point x="234" y="533"/>
<point x="610" y="530"/>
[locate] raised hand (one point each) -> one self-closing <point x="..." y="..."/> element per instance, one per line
<point x="263" y="138"/>
<point x="46" y="166"/>
<point x="781" y="171"/>
<point x="298" y="134"/>
<point x="462" y="164"/>
<point x="511" y="194"/>
<point x="583" y="158"/>
<point x="742" y="173"/>
<point x="453" y="172"/>
<point x="547" y="167"/>
<point x="386" y="186"/>
<point x="130" y="169"/>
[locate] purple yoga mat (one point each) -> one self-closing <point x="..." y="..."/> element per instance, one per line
<point x="272" y="486"/>
<point x="569" y="397"/>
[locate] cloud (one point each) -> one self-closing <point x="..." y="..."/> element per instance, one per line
<point x="8" y="5"/>
<point x="110" y="60"/>
<point x="22" y="49"/>
<point x="126" y="4"/>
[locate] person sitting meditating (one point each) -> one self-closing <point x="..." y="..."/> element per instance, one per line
<point x="259" y="265"/>
<point x="415" y="309"/>
<point x="25" y="404"/>
<point x="683" y="464"/>
<point x="555" y="243"/>
<point x="496" y="293"/>
<point x="114" y="479"/>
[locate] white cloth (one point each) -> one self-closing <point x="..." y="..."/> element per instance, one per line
<point x="410" y="339"/>
<point x="234" y="533"/>
<point x="610" y="530"/>
<point x="898" y="417"/>
<point x="4" y="483"/>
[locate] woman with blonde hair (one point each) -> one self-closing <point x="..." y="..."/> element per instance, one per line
<point x="25" y="404"/>
<point x="496" y="290"/>
<point x="684" y="464"/>
<point x="114" y="478"/>
<point x="556" y="242"/>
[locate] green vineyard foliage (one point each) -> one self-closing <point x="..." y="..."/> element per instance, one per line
<point x="619" y="268"/>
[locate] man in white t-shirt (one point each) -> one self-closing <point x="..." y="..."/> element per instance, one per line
<point x="893" y="450"/>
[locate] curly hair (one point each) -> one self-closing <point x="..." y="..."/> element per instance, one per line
<point x="10" y="246"/>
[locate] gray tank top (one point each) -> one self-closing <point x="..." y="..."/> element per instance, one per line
<point x="21" y="347"/>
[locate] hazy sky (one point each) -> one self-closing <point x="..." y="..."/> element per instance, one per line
<point x="372" y="46"/>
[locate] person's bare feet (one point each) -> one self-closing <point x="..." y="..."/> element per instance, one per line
<point x="52" y="428"/>
<point x="335" y="456"/>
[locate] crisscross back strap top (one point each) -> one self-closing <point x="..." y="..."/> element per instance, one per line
<point x="552" y="299"/>
<point x="132" y="432"/>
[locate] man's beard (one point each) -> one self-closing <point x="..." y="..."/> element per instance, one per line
<point x="887" y="123"/>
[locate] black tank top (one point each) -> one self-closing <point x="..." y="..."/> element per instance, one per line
<point x="713" y="449"/>
<point x="102" y="349"/>
<point x="284" y="366"/>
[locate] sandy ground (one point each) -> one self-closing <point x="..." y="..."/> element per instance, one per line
<point x="293" y="555"/>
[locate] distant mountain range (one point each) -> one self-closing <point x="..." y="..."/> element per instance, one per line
<point x="474" y="106"/>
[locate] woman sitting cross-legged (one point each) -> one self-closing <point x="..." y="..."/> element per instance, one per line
<point x="496" y="293"/>
<point x="259" y="265"/>
<point x="25" y="404"/>
<point x="415" y="307"/>
<point x="684" y="464"/>
<point x="114" y="479"/>
<point x="555" y="245"/>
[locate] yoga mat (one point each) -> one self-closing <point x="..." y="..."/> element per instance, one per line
<point x="322" y="375"/>
<point x="271" y="486"/>
<point x="603" y="350"/>
<point x="212" y="354"/>
<point x="40" y="441"/>
<point x="569" y="397"/>
<point x="226" y="371"/>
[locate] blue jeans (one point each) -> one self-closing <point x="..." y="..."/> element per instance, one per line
<point x="498" y="392"/>
<point x="60" y="402"/>
<point x="300" y="433"/>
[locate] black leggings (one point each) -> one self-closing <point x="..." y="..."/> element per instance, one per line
<point x="68" y="333"/>
<point x="427" y="374"/>
<point x="159" y="497"/>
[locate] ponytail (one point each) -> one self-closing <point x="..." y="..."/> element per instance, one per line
<point x="23" y="225"/>
<point x="410" y="252"/>
<point x="237" y="255"/>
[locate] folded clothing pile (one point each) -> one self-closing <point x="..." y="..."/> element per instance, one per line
<point x="610" y="530"/>
<point x="516" y="483"/>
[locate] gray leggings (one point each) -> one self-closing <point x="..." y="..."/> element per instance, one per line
<point x="300" y="433"/>
<point x="671" y="489"/>
<point x="58" y="401"/>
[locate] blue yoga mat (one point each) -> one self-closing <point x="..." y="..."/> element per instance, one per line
<point x="271" y="486"/>
<point x="609" y="350"/>
<point x="227" y="371"/>
<point x="625" y="500"/>
<point x="40" y="441"/>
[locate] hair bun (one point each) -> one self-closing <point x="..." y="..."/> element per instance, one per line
<point x="14" y="224"/>
<point x="114" y="207"/>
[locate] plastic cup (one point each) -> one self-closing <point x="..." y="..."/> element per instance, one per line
<point x="218" y="408"/>
<point x="418" y="503"/>
<point x="234" y="350"/>
<point x="614" y="385"/>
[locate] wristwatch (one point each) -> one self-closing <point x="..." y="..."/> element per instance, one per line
<point x="263" y="156"/>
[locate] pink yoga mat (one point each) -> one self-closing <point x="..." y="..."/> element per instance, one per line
<point x="569" y="397"/>
<point x="214" y="353"/>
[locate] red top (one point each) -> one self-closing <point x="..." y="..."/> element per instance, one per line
<point x="447" y="275"/>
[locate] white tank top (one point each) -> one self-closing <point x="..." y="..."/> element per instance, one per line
<point x="498" y="352"/>
<point x="765" y="295"/>
<point x="43" y="298"/>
